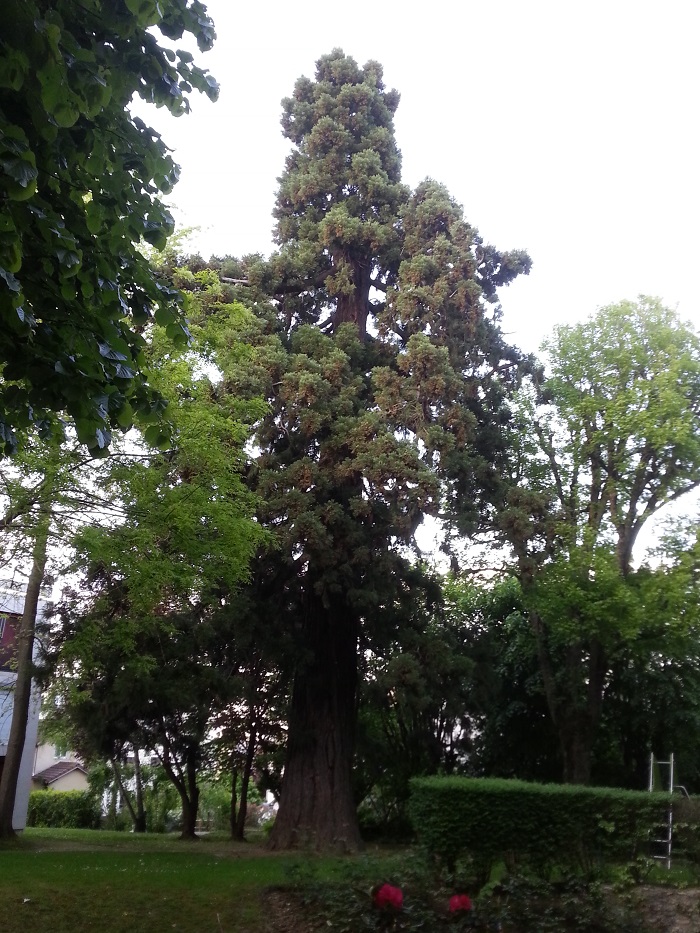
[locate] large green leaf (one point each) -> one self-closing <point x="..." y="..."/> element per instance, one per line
<point x="77" y="199"/>
<point x="14" y="65"/>
<point x="146" y="12"/>
<point x="11" y="282"/>
<point x="22" y="169"/>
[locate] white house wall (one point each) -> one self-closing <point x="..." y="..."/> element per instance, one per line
<point x="12" y="601"/>
<point x="74" y="780"/>
<point x="45" y="756"/>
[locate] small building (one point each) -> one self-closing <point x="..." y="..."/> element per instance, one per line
<point x="58" y="768"/>
<point x="11" y="608"/>
<point x="64" y="775"/>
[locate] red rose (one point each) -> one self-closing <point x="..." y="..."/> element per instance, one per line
<point x="460" y="902"/>
<point x="389" y="896"/>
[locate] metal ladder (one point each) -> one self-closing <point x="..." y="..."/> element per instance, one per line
<point x="666" y="839"/>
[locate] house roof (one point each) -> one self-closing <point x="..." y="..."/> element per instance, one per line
<point x="61" y="768"/>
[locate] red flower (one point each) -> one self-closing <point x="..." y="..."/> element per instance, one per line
<point x="389" y="896"/>
<point x="460" y="902"/>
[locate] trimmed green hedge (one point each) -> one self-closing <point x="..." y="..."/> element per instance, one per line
<point x="533" y="825"/>
<point x="686" y="829"/>
<point x="67" y="809"/>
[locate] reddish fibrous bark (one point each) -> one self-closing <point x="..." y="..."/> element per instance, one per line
<point x="317" y="807"/>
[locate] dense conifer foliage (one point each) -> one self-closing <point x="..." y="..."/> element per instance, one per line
<point x="386" y="376"/>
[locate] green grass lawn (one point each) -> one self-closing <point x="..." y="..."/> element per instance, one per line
<point x="81" y="881"/>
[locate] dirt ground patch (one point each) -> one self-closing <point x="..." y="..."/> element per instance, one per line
<point x="286" y="915"/>
<point x="668" y="910"/>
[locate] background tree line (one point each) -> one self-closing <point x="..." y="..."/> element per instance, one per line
<point x="248" y="585"/>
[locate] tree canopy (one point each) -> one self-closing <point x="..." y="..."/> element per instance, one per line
<point x="341" y="390"/>
<point x="607" y="440"/>
<point x="150" y="648"/>
<point x="81" y="182"/>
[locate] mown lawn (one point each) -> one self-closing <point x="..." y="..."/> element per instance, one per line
<point x="78" y="881"/>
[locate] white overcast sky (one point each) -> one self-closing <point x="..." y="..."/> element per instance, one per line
<point x="569" y="129"/>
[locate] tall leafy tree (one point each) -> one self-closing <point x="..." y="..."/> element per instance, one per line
<point x="626" y="386"/>
<point x="43" y="490"/>
<point x="611" y="438"/>
<point x="81" y="181"/>
<point x="652" y="701"/>
<point x="21" y="698"/>
<point x="385" y="374"/>
<point x="512" y="733"/>
<point x="145" y="650"/>
<point x="417" y="713"/>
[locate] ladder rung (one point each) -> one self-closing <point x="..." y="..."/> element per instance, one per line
<point x="666" y="826"/>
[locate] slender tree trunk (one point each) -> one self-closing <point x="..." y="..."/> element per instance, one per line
<point x="185" y="782"/>
<point x="23" y="683"/>
<point x="576" y="745"/>
<point x="245" y="780"/>
<point x="140" y="817"/>
<point x="232" y="811"/>
<point x="189" y="816"/>
<point x="317" y="808"/>
<point x="575" y="708"/>
<point x="126" y="800"/>
<point x="189" y="795"/>
<point x="113" y="798"/>
<point x="189" y="798"/>
<point x="189" y="827"/>
<point x="626" y="538"/>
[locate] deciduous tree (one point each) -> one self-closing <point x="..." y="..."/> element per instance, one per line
<point x="81" y="181"/>
<point x="612" y="437"/>
<point x="145" y="648"/>
<point x="42" y="489"/>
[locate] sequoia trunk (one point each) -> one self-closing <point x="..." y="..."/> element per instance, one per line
<point x="317" y="806"/>
<point x="353" y="306"/>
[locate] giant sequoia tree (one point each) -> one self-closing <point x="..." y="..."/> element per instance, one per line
<point x="386" y="375"/>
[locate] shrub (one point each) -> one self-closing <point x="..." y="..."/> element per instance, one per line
<point x="358" y="896"/>
<point x="71" y="809"/>
<point x="528" y="825"/>
<point x="686" y="829"/>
